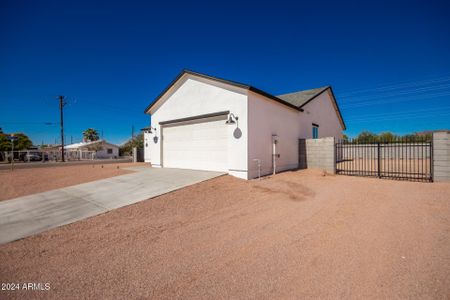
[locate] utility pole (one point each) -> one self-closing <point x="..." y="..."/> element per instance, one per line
<point x="61" y="106"/>
<point x="132" y="132"/>
<point x="12" y="151"/>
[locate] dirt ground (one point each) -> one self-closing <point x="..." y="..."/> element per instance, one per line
<point x="297" y="235"/>
<point x="23" y="182"/>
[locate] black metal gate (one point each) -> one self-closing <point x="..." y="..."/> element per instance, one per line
<point x="400" y="158"/>
<point x="140" y="154"/>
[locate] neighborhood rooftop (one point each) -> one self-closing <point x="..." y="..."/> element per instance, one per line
<point x="82" y="144"/>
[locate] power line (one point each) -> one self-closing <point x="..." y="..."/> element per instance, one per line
<point x="431" y="109"/>
<point x="402" y="116"/>
<point x="384" y="100"/>
<point x="399" y="118"/>
<point x="417" y="91"/>
<point x="396" y="86"/>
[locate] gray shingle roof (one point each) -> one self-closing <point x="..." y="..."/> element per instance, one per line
<point x="302" y="97"/>
<point x="294" y="100"/>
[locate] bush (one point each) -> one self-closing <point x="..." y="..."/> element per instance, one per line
<point x="127" y="148"/>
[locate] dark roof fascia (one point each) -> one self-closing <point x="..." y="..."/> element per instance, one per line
<point x="334" y="99"/>
<point x="198" y="117"/>
<point x="315" y="96"/>
<point x="272" y="97"/>
<point x="337" y="106"/>
<point x="225" y="81"/>
<point x="164" y="91"/>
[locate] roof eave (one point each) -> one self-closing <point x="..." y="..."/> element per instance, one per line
<point x="316" y="95"/>
<point x="338" y="110"/>
<point x="164" y="91"/>
<point x="225" y="81"/>
<point x="328" y="87"/>
<point x="262" y="93"/>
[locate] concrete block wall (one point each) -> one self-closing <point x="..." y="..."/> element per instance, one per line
<point x="441" y="156"/>
<point x="320" y="154"/>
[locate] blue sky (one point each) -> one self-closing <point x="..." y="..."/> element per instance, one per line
<point x="388" y="62"/>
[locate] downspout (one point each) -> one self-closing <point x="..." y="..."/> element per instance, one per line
<point x="275" y="155"/>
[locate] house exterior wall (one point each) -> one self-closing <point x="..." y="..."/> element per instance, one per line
<point x="148" y="140"/>
<point x="259" y="119"/>
<point x="103" y="152"/>
<point x="321" y="111"/>
<point x="266" y="118"/>
<point x="195" y="96"/>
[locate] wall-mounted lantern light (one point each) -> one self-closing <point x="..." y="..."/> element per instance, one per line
<point x="230" y="120"/>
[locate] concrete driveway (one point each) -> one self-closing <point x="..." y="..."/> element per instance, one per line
<point x="28" y="215"/>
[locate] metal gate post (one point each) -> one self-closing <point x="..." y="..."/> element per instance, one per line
<point x="335" y="157"/>
<point x="431" y="146"/>
<point x="379" y="160"/>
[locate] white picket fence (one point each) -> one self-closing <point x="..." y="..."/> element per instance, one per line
<point x="37" y="155"/>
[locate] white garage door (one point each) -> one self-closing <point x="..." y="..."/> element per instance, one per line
<point x="197" y="146"/>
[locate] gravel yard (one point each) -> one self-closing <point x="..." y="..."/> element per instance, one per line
<point x="295" y="235"/>
<point x="23" y="182"/>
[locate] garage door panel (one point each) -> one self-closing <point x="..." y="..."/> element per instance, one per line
<point x="200" y="146"/>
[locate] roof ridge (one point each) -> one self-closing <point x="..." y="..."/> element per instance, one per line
<point x="225" y="81"/>
<point x="301" y="91"/>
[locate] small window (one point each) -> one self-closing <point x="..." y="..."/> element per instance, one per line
<point x="315" y="131"/>
<point x="109" y="151"/>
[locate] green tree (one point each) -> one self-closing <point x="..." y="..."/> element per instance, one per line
<point x="22" y="142"/>
<point x="127" y="148"/>
<point x="95" y="146"/>
<point x="387" y="137"/>
<point x="366" y="137"/>
<point x="90" y="135"/>
<point x="345" y="137"/>
<point x="427" y="137"/>
<point x="418" y="137"/>
<point x="5" y="144"/>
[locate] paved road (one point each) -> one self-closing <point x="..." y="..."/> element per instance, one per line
<point x="28" y="215"/>
<point x="39" y="164"/>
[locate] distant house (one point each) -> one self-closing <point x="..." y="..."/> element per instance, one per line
<point x="102" y="148"/>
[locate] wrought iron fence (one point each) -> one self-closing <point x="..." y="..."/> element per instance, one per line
<point x="398" y="158"/>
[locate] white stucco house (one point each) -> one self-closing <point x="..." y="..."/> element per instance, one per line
<point x="206" y="123"/>
<point x="102" y="149"/>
